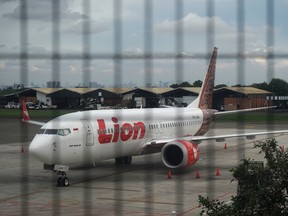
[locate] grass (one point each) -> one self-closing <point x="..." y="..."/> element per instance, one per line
<point x="255" y="117"/>
<point x="252" y="117"/>
<point x="34" y="114"/>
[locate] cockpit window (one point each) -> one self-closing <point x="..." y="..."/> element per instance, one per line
<point x="64" y="132"/>
<point x="51" y="131"/>
<point x="61" y="132"/>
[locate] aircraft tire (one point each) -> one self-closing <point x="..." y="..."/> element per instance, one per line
<point x="119" y="160"/>
<point x="127" y="160"/>
<point x="59" y="182"/>
<point x="65" y="182"/>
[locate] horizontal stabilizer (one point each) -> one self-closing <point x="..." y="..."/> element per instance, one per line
<point x="243" y="110"/>
<point x="26" y="117"/>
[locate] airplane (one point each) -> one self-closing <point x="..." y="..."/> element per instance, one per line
<point x="85" y="137"/>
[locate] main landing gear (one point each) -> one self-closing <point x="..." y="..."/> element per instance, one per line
<point x="127" y="160"/>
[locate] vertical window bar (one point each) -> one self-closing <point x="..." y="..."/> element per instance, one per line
<point x="24" y="78"/>
<point x="148" y="68"/>
<point x="86" y="43"/>
<point x="55" y="13"/>
<point x="118" y="179"/>
<point x="179" y="40"/>
<point x="240" y="66"/>
<point x="210" y="26"/>
<point x="179" y="78"/>
<point x="56" y="40"/>
<point x="86" y="77"/>
<point x="148" y="41"/>
<point x="270" y="39"/>
<point x="24" y="42"/>
<point x="117" y="43"/>
<point x="270" y="47"/>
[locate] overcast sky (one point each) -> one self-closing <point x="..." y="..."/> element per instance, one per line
<point x="134" y="24"/>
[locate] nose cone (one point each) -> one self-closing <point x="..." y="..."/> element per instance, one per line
<point x="42" y="149"/>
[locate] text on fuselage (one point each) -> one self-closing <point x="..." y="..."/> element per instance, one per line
<point x="120" y="133"/>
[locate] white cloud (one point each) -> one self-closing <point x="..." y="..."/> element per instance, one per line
<point x="1" y="65"/>
<point x="194" y="24"/>
<point x="36" y="69"/>
<point x="281" y="64"/>
<point x="95" y="27"/>
<point x="133" y="51"/>
<point x="41" y="10"/>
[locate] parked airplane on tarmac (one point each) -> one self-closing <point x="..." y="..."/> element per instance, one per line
<point x="95" y="135"/>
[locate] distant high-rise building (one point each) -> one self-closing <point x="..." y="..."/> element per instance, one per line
<point x="94" y="85"/>
<point x="148" y="85"/>
<point x="18" y="86"/>
<point x="53" y="84"/>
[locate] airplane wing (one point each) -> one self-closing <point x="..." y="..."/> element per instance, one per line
<point x="26" y="117"/>
<point x="155" y="145"/>
<point x="243" y="110"/>
<point x="220" y="138"/>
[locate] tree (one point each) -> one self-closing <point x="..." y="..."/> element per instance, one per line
<point x="264" y="86"/>
<point x="220" y="86"/>
<point x="263" y="189"/>
<point x="197" y="83"/>
<point x="183" y="84"/>
<point x="279" y="87"/>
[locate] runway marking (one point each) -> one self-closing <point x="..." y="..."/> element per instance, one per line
<point x="20" y="196"/>
<point x="139" y="201"/>
<point x="107" y="188"/>
<point x="62" y="202"/>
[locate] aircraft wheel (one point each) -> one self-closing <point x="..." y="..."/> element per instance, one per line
<point x="59" y="180"/>
<point x="65" y="182"/>
<point x="119" y="160"/>
<point x="128" y="160"/>
<point x="62" y="182"/>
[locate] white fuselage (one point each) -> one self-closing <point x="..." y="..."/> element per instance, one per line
<point x="91" y="136"/>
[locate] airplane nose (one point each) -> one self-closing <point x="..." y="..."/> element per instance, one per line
<point x="42" y="149"/>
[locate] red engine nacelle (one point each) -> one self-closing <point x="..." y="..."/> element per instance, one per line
<point x="180" y="153"/>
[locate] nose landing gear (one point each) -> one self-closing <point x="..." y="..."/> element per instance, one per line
<point x="62" y="181"/>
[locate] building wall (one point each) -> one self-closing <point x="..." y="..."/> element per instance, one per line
<point x="245" y="103"/>
<point x="43" y="98"/>
<point x="27" y="99"/>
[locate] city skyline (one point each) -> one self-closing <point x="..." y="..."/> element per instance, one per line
<point x="257" y="35"/>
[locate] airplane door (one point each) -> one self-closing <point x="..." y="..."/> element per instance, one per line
<point x="89" y="132"/>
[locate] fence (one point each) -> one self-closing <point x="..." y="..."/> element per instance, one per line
<point x="187" y="30"/>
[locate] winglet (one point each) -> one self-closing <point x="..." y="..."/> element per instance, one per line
<point x="204" y="100"/>
<point x="25" y="114"/>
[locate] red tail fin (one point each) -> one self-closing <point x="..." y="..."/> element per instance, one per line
<point x="25" y="114"/>
<point x="204" y="100"/>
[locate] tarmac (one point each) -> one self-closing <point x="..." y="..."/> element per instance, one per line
<point x="143" y="188"/>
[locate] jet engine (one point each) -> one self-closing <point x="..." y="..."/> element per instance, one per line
<point x="179" y="154"/>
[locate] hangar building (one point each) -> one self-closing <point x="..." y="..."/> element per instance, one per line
<point x="227" y="98"/>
